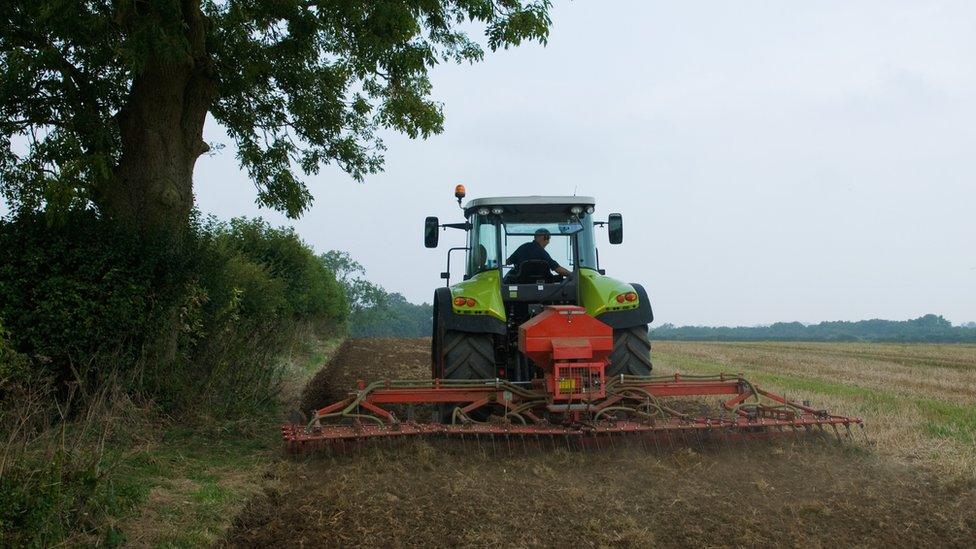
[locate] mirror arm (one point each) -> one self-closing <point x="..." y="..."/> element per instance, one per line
<point x="448" y="272"/>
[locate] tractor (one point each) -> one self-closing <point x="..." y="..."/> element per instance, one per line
<point x="476" y="321"/>
<point x="535" y="343"/>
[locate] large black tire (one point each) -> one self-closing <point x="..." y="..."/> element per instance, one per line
<point x="468" y="356"/>
<point x="631" y="352"/>
<point x="464" y="356"/>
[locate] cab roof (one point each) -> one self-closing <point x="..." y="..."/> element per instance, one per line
<point x="536" y="203"/>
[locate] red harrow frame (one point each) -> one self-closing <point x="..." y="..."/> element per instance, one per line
<point x="573" y="401"/>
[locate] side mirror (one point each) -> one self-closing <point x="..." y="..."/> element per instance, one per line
<point x="615" y="226"/>
<point x="431" y="232"/>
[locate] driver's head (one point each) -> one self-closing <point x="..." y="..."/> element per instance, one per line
<point x="542" y="237"/>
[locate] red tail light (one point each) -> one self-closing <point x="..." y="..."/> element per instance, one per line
<point x="620" y="298"/>
<point x="631" y="296"/>
<point x="459" y="301"/>
<point x="471" y="302"/>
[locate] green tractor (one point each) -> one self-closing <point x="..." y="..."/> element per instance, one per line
<point x="536" y="342"/>
<point x="522" y="254"/>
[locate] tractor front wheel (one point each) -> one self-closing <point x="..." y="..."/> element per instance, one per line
<point x="631" y="352"/>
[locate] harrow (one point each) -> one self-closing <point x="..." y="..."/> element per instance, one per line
<point x="574" y="402"/>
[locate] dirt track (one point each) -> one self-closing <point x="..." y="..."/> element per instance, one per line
<point x="761" y="494"/>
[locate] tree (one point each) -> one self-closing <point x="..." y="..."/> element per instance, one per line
<point x="361" y="294"/>
<point x="103" y="102"/>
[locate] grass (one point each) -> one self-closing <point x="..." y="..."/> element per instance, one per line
<point x="189" y="487"/>
<point x="191" y="482"/>
<point x="916" y="400"/>
<point x="122" y="475"/>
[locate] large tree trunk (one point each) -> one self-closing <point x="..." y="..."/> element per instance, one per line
<point x="161" y="127"/>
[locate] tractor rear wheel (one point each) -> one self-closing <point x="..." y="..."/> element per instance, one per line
<point x="466" y="356"/>
<point x="631" y="352"/>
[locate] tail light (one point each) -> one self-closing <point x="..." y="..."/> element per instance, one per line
<point x="459" y="301"/>
<point x="620" y="298"/>
<point x="631" y="296"/>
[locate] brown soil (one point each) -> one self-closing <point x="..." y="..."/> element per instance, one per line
<point x="761" y="494"/>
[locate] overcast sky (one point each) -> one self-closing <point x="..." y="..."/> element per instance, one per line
<point x="773" y="160"/>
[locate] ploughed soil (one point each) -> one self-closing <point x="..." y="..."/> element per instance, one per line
<point x="785" y="493"/>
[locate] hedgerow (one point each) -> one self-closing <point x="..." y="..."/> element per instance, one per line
<point x="96" y="323"/>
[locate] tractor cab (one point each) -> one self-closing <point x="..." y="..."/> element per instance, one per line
<point x="526" y="240"/>
<point x="523" y="254"/>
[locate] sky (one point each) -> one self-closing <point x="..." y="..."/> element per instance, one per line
<point x="773" y="160"/>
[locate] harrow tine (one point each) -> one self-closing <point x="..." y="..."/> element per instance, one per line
<point x="722" y="437"/>
<point x="667" y="433"/>
<point x="701" y="447"/>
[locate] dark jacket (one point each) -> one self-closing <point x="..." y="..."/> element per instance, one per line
<point x="531" y="251"/>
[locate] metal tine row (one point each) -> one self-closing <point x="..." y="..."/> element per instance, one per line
<point x="727" y="437"/>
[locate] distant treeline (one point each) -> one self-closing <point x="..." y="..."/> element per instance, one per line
<point x="929" y="328"/>
<point x="374" y="312"/>
<point x="394" y="316"/>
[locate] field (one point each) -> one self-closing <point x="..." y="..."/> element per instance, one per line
<point x="914" y="483"/>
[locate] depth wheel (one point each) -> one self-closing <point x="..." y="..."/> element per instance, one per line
<point x="631" y="352"/>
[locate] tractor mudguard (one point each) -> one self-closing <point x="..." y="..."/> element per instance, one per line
<point x="446" y="319"/>
<point x="634" y="317"/>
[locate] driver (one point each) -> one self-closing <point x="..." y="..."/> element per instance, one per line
<point x="536" y="250"/>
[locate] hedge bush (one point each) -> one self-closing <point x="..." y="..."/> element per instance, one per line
<point x="198" y="322"/>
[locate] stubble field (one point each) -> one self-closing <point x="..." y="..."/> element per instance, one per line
<point x="913" y="483"/>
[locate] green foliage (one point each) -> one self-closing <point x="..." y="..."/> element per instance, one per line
<point x="254" y="287"/>
<point x="14" y="366"/>
<point x="395" y="317"/>
<point x="360" y="293"/>
<point x="79" y="296"/>
<point x="188" y="327"/>
<point x="45" y="501"/>
<point x="310" y="288"/>
<point x="929" y="328"/>
<point x="297" y="84"/>
<point x="374" y="312"/>
<point x="94" y="318"/>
